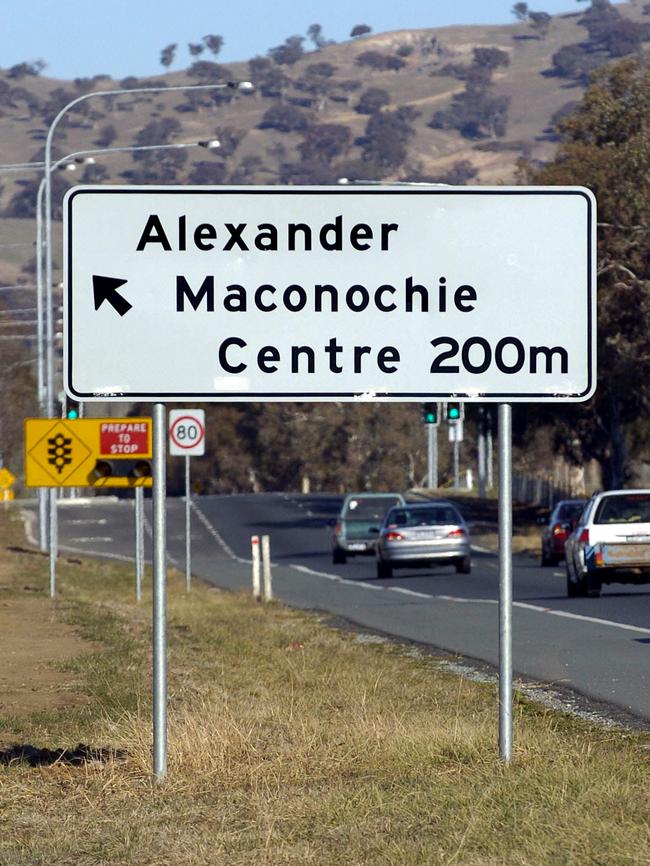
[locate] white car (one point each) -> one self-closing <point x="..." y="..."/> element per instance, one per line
<point x="610" y="543"/>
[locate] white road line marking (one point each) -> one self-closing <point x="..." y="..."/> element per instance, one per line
<point x="102" y="553"/>
<point x="579" y="616"/>
<point x="480" y="549"/>
<point x="101" y="521"/>
<point x="85" y="539"/>
<point x="217" y="535"/>
<point x="559" y="574"/>
<point x="405" y="591"/>
<point x="305" y="570"/>
<point x="344" y="581"/>
<point x="493" y="601"/>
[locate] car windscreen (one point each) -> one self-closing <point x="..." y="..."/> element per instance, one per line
<point x="629" y="508"/>
<point x="436" y="515"/>
<point x="570" y="510"/>
<point x="369" y="508"/>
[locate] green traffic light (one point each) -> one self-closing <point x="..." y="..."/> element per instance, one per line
<point x="73" y="414"/>
<point x="430" y="418"/>
<point x="454" y="413"/>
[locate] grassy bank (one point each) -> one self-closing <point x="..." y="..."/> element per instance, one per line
<point x="291" y="743"/>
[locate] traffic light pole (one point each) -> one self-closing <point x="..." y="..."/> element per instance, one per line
<point x="432" y="453"/>
<point x="481" y="453"/>
<point x="505" y="582"/>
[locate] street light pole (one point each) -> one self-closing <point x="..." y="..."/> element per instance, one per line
<point x="242" y="85"/>
<point x="46" y="382"/>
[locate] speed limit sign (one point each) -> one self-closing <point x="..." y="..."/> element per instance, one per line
<point x="187" y="432"/>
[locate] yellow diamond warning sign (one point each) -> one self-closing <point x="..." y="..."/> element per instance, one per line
<point x="88" y="452"/>
<point x="58" y="453"/>
<point x="7" y="479"/>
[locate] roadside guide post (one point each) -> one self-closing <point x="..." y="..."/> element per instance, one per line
<point x="187" y="439"/>
<point x="266" y="562"/>
<point x="255" y="562"/>
<point x="361" y="295"/>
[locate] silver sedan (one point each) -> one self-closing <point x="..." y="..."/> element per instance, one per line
<point x="423" y="534"/>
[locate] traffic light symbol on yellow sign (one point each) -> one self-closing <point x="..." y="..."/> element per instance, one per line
<point x="63" y="454"/>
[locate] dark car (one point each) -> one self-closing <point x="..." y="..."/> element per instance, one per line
<point x="357" y="527"/>
<point x="560" y="524"/>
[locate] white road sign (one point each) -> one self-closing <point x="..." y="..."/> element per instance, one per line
<point x="333" y="293"/>
<point x="187" y="432"/>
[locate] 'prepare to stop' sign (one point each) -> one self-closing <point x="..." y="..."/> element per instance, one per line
<point x="187" y="432"/>
<point x="125" y="438"/>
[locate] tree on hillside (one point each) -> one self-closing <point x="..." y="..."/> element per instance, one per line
<point x="20" y="70"/>
<point x="520" y="11"/>
<point x="325" y="142"/>
<point x="360" y="30"/>
<point x="476" y="113"/>
<point x="317" y="81"/>
<point x="540" y="22"/>
<point x="387" y="135"/>
<point x="289" y="52"/>
<point x="195" y="48"/>
<point x="315" y="34"/>
<point x="606" y="146"/>
<point x="372" y="100"/>
<point x="379" y="61"/>
<point x="284" y="118"/>
<point x="491" y="58"/>
<point x="213" y="43"/>
<point x="167" y="54"/>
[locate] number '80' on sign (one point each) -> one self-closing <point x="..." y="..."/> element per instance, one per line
<point x="187" y="432"/>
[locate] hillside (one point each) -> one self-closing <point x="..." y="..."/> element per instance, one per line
<point x="317" y="133"/>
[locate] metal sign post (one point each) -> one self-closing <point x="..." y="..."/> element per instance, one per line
<point x="139" y="541"/>
<point x="505" y="582"/>
<point x="54" y="539"/>
<point x="187" y="439"/>
<point x="188" y="528"/>
<point x="159" y="594"/>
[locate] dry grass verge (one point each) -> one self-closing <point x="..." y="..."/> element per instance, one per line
<point x="294" y="744"/>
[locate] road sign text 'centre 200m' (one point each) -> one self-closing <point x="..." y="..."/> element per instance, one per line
<point x="330" y="294"/>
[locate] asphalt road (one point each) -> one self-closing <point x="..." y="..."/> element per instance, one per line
<point x="597" y="647"/>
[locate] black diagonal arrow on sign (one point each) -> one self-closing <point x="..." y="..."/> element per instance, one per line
<point x="105" y="289"/>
